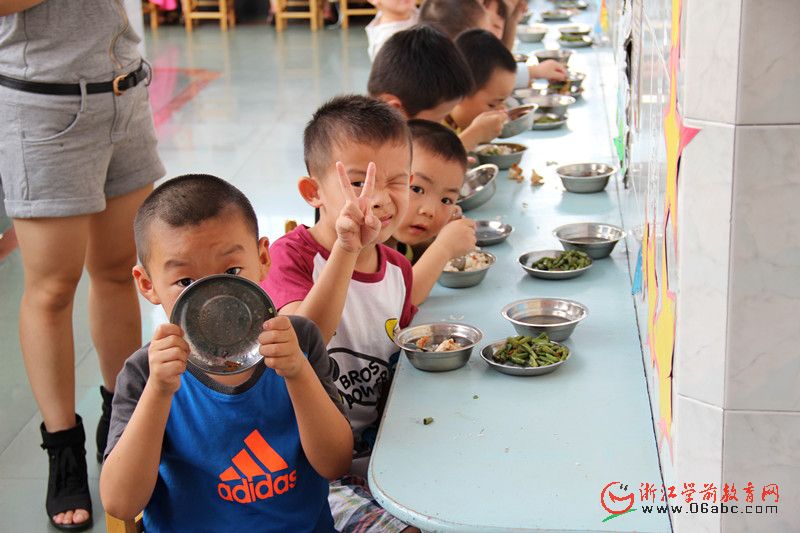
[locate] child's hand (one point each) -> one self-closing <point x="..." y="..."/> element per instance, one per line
<point x="550" y="69"/>
<point x="357" y="227"/>
<point x="280" y="348"/>
<point x="167" y="356"/>
<point x="516" y="9"/>
<point x="457" y="237"/>
<point x="489" y="124"/>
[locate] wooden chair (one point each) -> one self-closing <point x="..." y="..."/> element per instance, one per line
<point x="312" y="12"/>
<point x="115" y="525"/>
<point x="345" y="11"/>
<point x="194" y="10"/>
<point x="151" y="10"/>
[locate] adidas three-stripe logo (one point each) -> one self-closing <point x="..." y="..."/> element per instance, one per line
<point x="252" y="472"/>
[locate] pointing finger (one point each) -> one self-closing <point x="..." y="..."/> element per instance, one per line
<point x="344" y="181"/>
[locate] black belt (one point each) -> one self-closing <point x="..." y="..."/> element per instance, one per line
<point x="118" y="85"/>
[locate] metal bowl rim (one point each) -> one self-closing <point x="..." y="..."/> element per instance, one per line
<point x="603" y="175"/>
<point x="529" y="269"/>
<point x="507" y="307"/>
<point x="623" y="233"/>
<point x="495" y="171"/>
<point x="429" y="324"/>
<point x="487" y="267"/>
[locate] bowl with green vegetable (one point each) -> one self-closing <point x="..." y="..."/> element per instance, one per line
<point x="548" y="121"/>
<point x="585" y="177"/>
<point x="555" y="316"/>
<point x="556" y="14"/>
<point x="501" y="154"/>
<point x="575" y="29"/>
<point x="525" y="355"/>
<point x="576" y="41"/>
<point x="555" y="264"/>
<point x="555" y="104"/>
<point x="439" y="346"/>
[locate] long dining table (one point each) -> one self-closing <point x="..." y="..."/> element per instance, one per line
<point x="509" y="453"/>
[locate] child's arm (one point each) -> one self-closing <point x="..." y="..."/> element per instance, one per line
<point x="356" y="228"/>
<point x="129" y="473"/>
<point x="457" y="238"/>
<point x="484" y="128"/>
<point x="549" y="69"/>
<point x="515" y="9"/>
<point x="325" y="433"/>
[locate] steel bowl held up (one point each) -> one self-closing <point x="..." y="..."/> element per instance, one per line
<point x="479" y="186"/>
<point x="420" y="344"/>
<point x="555" y="104"/>
<point x="520" y="120"/>
<point x="562" y="56"/>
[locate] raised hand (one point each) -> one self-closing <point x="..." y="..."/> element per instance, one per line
<point x="279" y="346"/>
<point x="457" y="237"/>
<point x="356" y="226"/>
<point x="167" y="357"/>
<point x="489" y="124"/>
<point x="551" y="70"/>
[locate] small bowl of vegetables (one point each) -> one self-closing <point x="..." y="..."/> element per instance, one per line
<point x="525" y="355"/>
<point x="555" y="264"/>
<point x="501" y="154"/>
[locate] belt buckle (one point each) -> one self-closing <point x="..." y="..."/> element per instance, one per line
<point x="115" y="85"/>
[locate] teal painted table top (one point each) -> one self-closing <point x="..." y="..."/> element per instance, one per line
<point x="507" y="453"/>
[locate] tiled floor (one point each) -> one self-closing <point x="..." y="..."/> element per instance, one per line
<point x="230" y="104"/>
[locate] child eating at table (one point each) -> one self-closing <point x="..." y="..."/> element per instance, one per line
<point x="433" y="231"/>
<point x="393" y="16"/>
<point x="338" y="274"/>
<point x="421" y="73"/>
<point x="493" y="71"/>
<point x="457" y="16"/>
<point x="198" y="451"/>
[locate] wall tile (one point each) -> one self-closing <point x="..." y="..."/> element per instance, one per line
<point x="764" y="296"/>
<point x="762" y="448"/>
<point x="698" y="439"/>
<point x="711" y="41"/>
<point x="768" y="73"/>
<point x="703" y="250"/>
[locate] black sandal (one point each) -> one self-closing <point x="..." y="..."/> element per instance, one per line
<point x="101" y="437"/>
<point x="67" y="485"/>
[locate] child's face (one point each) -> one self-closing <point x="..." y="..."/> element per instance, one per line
<point x="178" y="256"/>
<point x="395" y="7"/>
<point x="435" y="185"/>
<point x="438" y="113"/>
<point x="490" y="97"/>
<point x="390" y="196"/>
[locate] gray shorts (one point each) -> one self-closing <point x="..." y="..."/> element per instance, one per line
<point x="64" y="155"/>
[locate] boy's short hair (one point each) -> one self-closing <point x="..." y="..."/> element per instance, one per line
<point x="189" y="200"/>
<point x="350" y="119"/>
<point x="452" y="16"/>
<point x="439" y="140"/>
<point x="421" y="67"/>
<point x="484" y="53"/>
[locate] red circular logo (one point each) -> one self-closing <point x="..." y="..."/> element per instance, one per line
<point x="613" y="503"/>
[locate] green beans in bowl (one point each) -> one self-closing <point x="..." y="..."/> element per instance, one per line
<point x="525" y="355"/>
<point x="555" y="264"/>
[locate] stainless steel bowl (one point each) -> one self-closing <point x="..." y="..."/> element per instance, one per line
<point x="531" y="34"/>
<point x="461" y="280"/>
<point x="594" y="238"/>
<point x="562" y="56"/>
<point x="502" y="161"/>
<point x="556" y="14"/>
<point x="555" y="316"/>
<point x="585" y="177"/>
<point x="576" y="41"/>
<point x="520" y="58"/>
<point x="489" y="232"/>
<point x="574" y="80"/>
<point x="556" y="104"/>
<point x="221" y="317"/>
<point x="515" y="370"/>
<point x="464" y="335"/>
<point x="479" y="186"/>
<point x="527" y="259"/>
<point x="554" y="121"/>
<point x="575" y="29"/>
<point x="520" y="119"/>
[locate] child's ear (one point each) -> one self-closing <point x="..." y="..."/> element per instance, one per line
<point x="394" y="102"/>
<point x="309" y="190"/>
<point x="264" y="260"/>
<point x="145" y="285"/>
